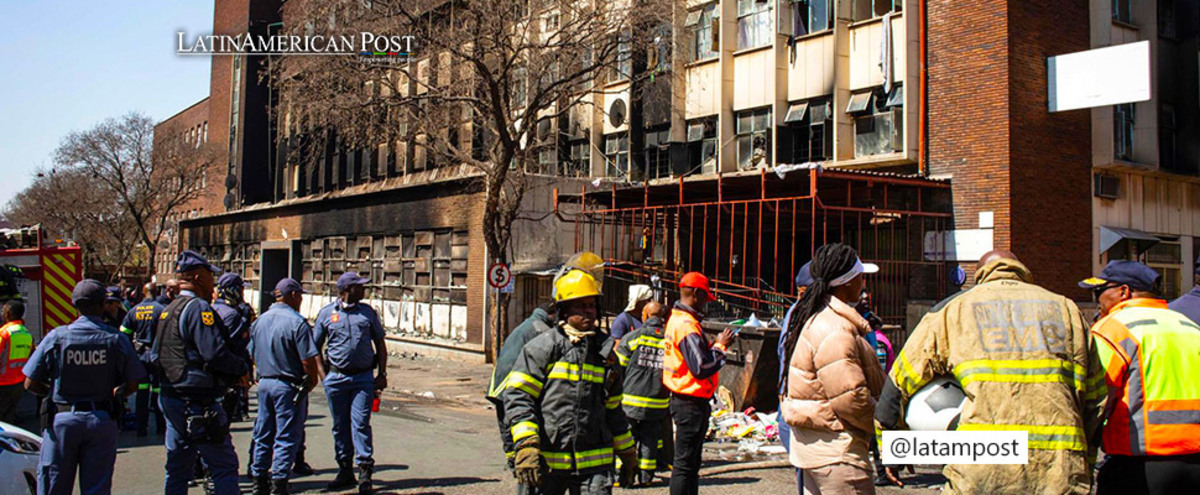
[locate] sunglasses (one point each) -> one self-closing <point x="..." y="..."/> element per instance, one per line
<point x="1099" y="291"/>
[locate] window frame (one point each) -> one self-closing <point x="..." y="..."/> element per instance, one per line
<point x="802" y="16"/>
<point x="1124" y="122"/>
<point x="753" y="30"/>
<point x="707" y="30"/>
<point x="760" y="123"/>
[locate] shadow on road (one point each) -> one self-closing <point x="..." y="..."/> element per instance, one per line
<point x="742" y="480"/>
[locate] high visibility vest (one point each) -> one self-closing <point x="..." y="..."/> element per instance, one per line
<point x="1150" y="357"/>
<point x="19" y="347"/>
<point x="676" y="375"/>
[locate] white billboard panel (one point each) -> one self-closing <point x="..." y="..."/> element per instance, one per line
<point x="1100" y="77"/>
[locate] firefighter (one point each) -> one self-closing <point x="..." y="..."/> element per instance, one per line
<point x="345" y="332"/>
<point x="690" y="370"/>
<point x="645" y="398"/>
<point x="16" y="345"/>
<point x="197" y="366"/>
<point x="237" y="317"/>
<point x="286" y="360"/>
<point x="1151" y="358"/>
<point x="139" y="324"/>
<point x="86" y="367"/>
<point x="1006" y="338"/>
<point x="566" y="421"/>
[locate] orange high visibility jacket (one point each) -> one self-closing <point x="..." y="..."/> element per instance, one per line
<point x="676" y="375"/>
<point x="16" y="344"/>
<point x="1150" y="357"/>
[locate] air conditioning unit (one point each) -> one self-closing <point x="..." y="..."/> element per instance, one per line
<point x="1106" y="186"/>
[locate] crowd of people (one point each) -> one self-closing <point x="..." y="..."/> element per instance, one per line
<point x="191" y="355"/>
<point x="580" y="411"/>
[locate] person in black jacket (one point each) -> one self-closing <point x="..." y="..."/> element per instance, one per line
<point x="645" y="398"/>
<point x="539" y="322"/>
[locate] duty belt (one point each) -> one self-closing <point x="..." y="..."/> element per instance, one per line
<point x="349" y="371"/>
<point x="282" y="378"/>
<point x="87" y="405"/>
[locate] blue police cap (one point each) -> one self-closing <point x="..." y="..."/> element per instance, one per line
<point x="190" y="260"/>
<point x="288" y="286"/>
<point x="1123" y="272"/>
<point x="89" y="290"/>
<point x="351" y="278"/>
<point x="113" y="293"/>
<point x="804" y="276"/>
<point x="231" y="280"/>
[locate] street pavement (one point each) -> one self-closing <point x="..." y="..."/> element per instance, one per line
<point x="434" y="435"/>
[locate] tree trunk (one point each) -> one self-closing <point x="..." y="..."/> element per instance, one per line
<point x="151" y="250"/>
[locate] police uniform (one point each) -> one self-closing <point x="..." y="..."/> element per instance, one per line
<point x="139" y="324"/>
<point x="236" y="318"/>
<point x="346" y="332"/>
<point x="280" y="340"/>
<point x="197" y="366"/>
<point x="85" y="361"/>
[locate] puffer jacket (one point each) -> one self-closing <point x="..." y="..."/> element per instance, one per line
<point x="1024" y="357"/>
<point x="557" y="392"/>
<point x="834" y="380"/>
<point x="641" y="354"/>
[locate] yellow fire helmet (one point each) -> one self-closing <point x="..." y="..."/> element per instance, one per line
<point x="585" y="260"/>
<point x="576" y="284"/>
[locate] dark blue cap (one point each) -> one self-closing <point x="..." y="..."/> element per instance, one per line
<point x="288" y="286"/>
<point x="1123" y="272"/>
<point x="113" y="293"/>
<point x="804" y="276"/>
<point x="89" y="290"/>
<point x="231" y="280"/>
<point x="351" y="278"/>
<point x="190" y="260"/>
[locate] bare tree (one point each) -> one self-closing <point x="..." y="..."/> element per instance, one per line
<point x="119" y="160"/>
<point x="69" y="205"/>
<point x="485" y="79"/>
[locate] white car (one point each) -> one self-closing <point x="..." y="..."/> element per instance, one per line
<point x="19" y="451"/>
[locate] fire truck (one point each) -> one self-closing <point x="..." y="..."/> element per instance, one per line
<point x="48" y="273"/>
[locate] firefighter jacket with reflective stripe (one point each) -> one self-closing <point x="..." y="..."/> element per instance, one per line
<point x="677" y="375"/>
<point x="16" y="344"/>
<point x="1151" y="357"/>
<point x="1024" y="357"/>
<point x="641" y="354"/>
<point x="563" y="393"/>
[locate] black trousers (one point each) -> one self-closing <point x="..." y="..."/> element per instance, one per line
<point x="648" y="434"/>
<point x="691" y="423"/>
<point x="146" y="401"/>
<point x="1150" y="475"/>
<point x="506" y="439"/>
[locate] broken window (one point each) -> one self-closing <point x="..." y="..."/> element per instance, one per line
<point x="809" y="126"/>
<point x="658" y="163"/>
<point x="705" y="31"/>
<point x="810" y="16"/>
<point x="702" y="145"/>
<point x="754" y="138"/>
<point x="879" y="128"/>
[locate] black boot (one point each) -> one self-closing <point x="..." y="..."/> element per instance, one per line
<point x="262" y="485"/>
<point x="364" y="478"/>
<point x="345" y="477"/>
<point x="279" y="487"/>
<point x="302" y="468"/>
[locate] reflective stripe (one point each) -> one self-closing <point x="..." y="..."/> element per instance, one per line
<point x="906" y="379"/>
<point x="498" y="388"/>
<point x="143" y="386"/>
<point x="613" y="402"/>
<point x="647" y="464"/>
<point x="623" y="441"/>
<point x="563" y="370"/>
<point x="646" y="402"/>
<point x="1095" y="388"/>
<point x="1021" y="371"/>
<point x="622" y="359"/>
<point x="660" y="444"/>
<point x="582" y="460"/>
<point x="126" y="331"/>
<point x="646" y="340"/>
<point x="523" y="430"/>
<point x="1173" y="417"/>
<point x="522" y="381"/>
<point x="1040" y="437"/>
<point x="1136" y="398"/>
<point x="510" y="455"/>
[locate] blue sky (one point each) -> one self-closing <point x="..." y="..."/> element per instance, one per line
<point x="67" y="65"/>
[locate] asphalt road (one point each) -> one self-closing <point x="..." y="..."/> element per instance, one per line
<point x="422" y="446"/>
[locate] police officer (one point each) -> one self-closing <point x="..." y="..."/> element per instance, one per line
<point x="286" y="360"/>
<point x="139" y="324"/>
<point x="86" y="366"/>
<point x="114" y="307"/>
<point x="170" y="292"/>
<point x="197" y="366"/>
<point x="346" y="331"/>
<point x="237" y="316"/>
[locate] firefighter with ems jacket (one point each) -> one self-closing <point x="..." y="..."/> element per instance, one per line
<point x="645" y="398"/>
<point x="566" y="422"/>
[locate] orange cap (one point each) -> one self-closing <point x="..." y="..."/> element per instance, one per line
<point x="697" y="280"/>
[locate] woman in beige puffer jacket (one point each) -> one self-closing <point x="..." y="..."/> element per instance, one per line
<point x="833" y="378"/>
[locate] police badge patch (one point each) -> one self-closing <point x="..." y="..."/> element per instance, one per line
<point x="333" y="318"/>
<point x="206" y="317"/>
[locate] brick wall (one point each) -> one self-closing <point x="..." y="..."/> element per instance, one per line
<point x="1050" y="153"/>
<point x="989" y="127"/>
